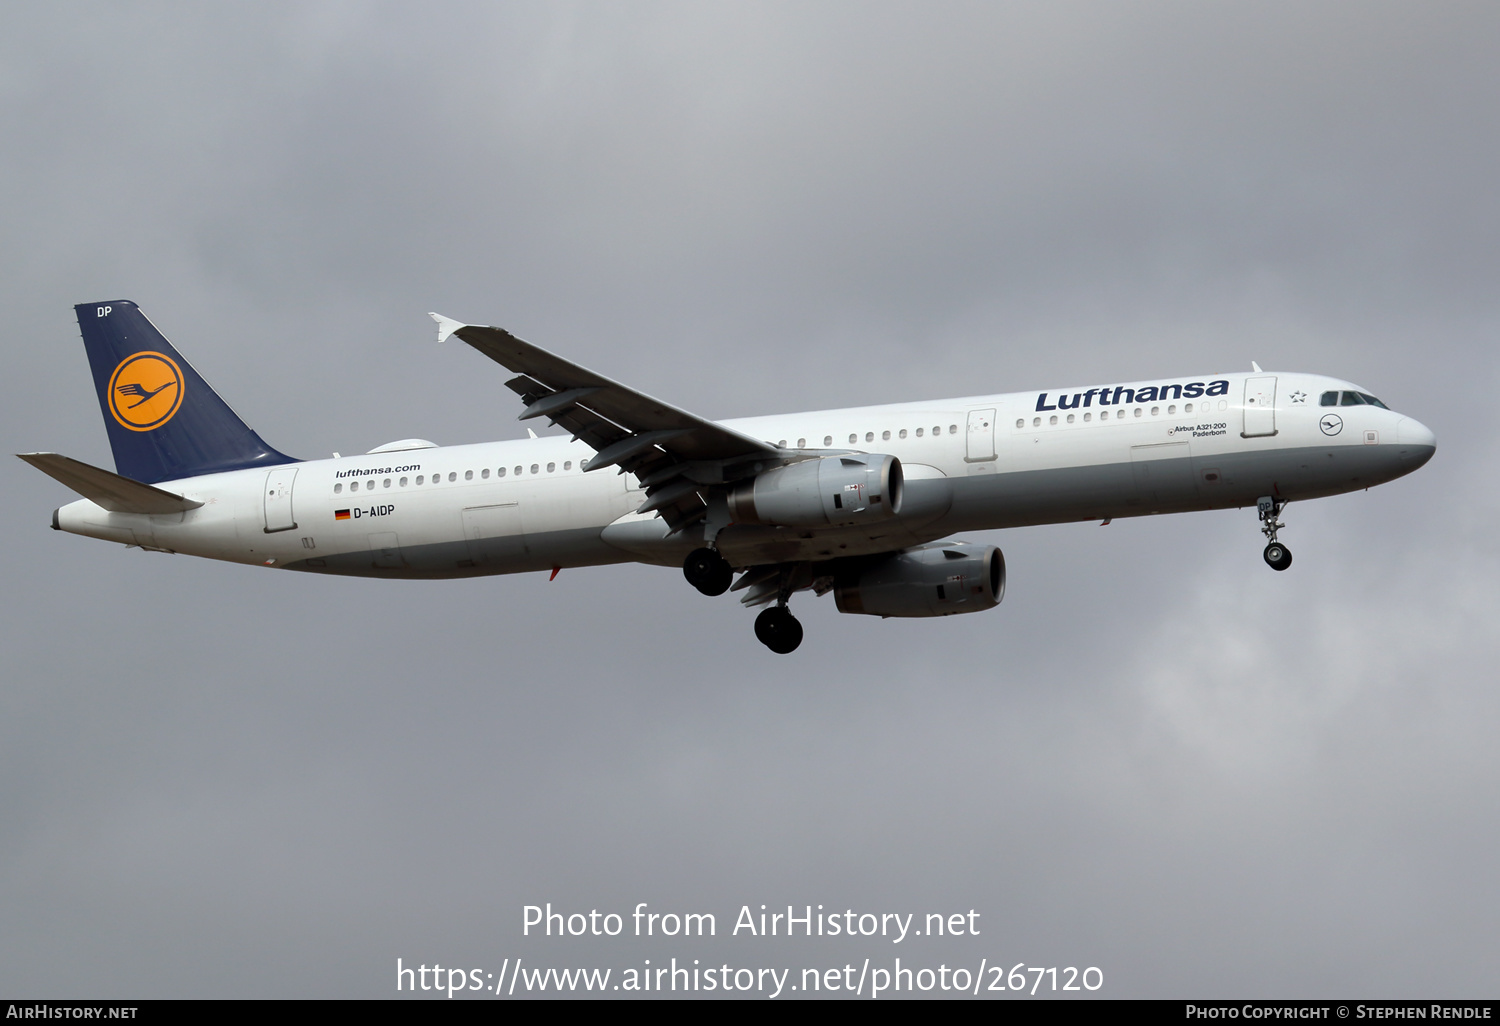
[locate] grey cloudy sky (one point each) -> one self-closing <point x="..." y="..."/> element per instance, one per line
<point x="1156" y="757"/>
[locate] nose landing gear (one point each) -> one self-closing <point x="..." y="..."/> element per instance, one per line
<point x="1277" y="555"/>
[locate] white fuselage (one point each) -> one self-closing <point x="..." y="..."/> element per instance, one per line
<point x="970" y="464"/>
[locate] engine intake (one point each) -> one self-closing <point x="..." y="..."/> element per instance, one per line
<point x="936" y="580"/>
<point x="832" y="491"/>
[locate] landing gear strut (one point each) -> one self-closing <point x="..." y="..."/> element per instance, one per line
<point x="778" y="629"/>
<point x="1277" y="555"/>
<point x="708" y="571"/>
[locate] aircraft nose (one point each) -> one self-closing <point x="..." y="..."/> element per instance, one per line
<point x="1416" y="440"/>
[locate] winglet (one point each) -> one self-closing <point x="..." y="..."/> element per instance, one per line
<point x="446" y="326"/>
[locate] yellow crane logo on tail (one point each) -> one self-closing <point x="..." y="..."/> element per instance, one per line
<point x="145" y="391"/>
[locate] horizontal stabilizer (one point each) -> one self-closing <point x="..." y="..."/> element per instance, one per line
<point x="115" y="493"/>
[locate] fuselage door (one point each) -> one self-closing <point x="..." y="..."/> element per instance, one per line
<point x="278" y="496"/>
<point x="385" y="550"/>
<point x="495" y="535"/>
<point x="1163" y="474"/>
<point x="1260" y="407"/>
<point x="981" y="436"/>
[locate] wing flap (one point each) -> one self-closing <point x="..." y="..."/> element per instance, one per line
<point x="107" y="489"/>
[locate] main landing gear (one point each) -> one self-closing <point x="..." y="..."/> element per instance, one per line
<point x="708" y="571"/>
<point x="778" y="629"/>
<point x="775" y="627"/>
<point x="1277" y="555"/>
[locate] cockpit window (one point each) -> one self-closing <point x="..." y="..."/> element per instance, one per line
<point x="1329" y="399"/>
<point x="1352" y="399"/>
<point x="1373" y="401"/>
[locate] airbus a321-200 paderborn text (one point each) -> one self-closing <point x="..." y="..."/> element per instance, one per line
<point x="859" y="502"/>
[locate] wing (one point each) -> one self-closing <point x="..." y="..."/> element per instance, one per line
<point x="673" y="453"/>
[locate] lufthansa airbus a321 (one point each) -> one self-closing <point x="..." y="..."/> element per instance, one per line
<point x="858" y="502"/>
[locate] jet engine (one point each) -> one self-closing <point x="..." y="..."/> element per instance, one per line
<point x="934" y="580"/>
<point x="832" y="491"/>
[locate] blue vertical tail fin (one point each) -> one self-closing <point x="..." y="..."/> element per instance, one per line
<point x="163" y="419"/>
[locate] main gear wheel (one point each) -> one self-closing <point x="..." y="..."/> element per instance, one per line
<point x="778" y="630"/>
<point x="708" y="571"/>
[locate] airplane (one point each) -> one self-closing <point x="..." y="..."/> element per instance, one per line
<point x="860" y="502"/>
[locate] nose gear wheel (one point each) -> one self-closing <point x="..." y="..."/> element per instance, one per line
<point x="1278" y="556"/>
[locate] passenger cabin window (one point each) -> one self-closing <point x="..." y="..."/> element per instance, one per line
<point x="551" y="467"/>
<point x="468" y="475"/>
<point x="903" y="432"/>
<point x="452" y="475"/>
<point x="869" y="436"/>
<point x="568" y="465"/>
<point x="801" y="444"/>
<point x="337" y="488"/>
<point x="919" y="432"/>
<point x="485" y="473"/>
<point x="827" y="439"/>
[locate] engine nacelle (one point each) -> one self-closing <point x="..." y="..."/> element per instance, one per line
<point x="937" y="580"/>
<point x="832" y="491"/>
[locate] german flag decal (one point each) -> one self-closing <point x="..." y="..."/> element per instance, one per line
<point x="341" y="514"/>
